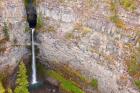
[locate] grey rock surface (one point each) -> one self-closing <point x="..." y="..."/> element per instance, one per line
<point x="100" y="52"/>
<point x="12" y="12"/>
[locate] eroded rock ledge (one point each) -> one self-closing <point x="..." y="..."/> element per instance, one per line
<point x="81" y="34"/>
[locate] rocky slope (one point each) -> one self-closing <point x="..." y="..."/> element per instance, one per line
<point x="12" y="18"/>
<point x="95" y="37"/>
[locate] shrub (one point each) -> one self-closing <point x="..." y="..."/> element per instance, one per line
<point x="22" y="82"/>
<point x="69" y="36"/>
<point x="133" y="67"/>
<point x="113" y="7"/>
<point x="6" y="31"/>
<point x="94" y="83"/>
<point x="118" y="22"/>
<point x="128" y="4"/>
<point x="26" y="2"/>
<point x="137" y="83"/>
<point x="39" y="21"/>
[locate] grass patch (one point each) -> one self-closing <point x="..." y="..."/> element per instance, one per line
<point x="133" y="63"/>
<point x="79" y="27"/>
<point x="133" y="67"/>
<point x="118" y="22"/>
<point x="51" y="29"/>
<point x="27" y="2"/>
<point x="94" y="83"/>
<point x="113" y="7"/>
<point x="67" y="85"/>
<point x="41" y="70"/>
<point x="61" y="1"/>
<point x="114" y="18"/>
<point x="69" y="36"/>
<point x="85" y="30"/>
<point x="129" y="5"/>
<point x="137" y="83"/>
<point x="40" y="22"/>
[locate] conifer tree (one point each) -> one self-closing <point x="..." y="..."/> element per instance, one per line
<point x="22" y="80"/>
<point x="2" y="90"/>
<point x="9" y="90"/>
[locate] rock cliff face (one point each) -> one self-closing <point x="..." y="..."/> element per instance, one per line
<point x="13" y="38"/>
<point x="94" y="36"/>
<point x="100" y="38"/>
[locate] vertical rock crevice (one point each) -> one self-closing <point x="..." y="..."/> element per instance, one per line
<point x="31" y="13"/>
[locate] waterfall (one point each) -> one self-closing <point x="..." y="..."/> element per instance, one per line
<point x="34" y="79"/>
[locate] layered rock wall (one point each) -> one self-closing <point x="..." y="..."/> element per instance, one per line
<point x="12" y="18"/>
<point x="82" y="34"/>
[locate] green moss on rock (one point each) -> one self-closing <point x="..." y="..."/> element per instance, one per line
<point x="137" y="83"/>
<point x="94" y="83"/>
<point x="66" y="85"/>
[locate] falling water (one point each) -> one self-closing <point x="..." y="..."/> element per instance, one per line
<point x="34" y="79"/>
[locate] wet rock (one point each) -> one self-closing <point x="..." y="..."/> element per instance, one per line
<point x="53" y="82"/>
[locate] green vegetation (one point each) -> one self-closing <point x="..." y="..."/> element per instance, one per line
<point x="22" y="81"/>
<point x="115" y="18"/>
<point x="6" y="31"/>
<point x="69" y="36"/>
<point x="26" y="2"/>
<point x="2" y="90"/>
<point x="62" y="1"/>
<point x="40" y="22"/>
<point x="128" y="4"/>
<point x="119" y="23"/>
<point x="137" y="83"/>
<point x="133" y="64"/>
<point x="133" y="67"/>
<point x="41" y="70"/>
<point x="10" y="90"/>
<point x="82" y="29"/>
<point x="71" y="81"/>
<point x="51" y="29"/>
<point x="78" y="32"/>
<point x="85" y="30"/>
<point x="66" y="85"/>
<point x="94" y="83"/>
<point x="113" y="7"/>
<point x="27" y="28"/>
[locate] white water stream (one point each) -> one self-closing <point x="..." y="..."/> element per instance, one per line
<point x="34" y="78"/>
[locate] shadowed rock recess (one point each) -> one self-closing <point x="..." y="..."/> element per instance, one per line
<point x="100" y="39"/>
